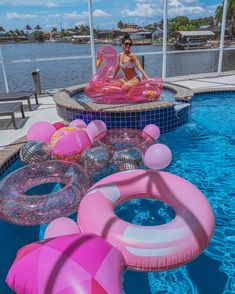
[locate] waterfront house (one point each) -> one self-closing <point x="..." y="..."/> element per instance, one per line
<point x="12" y="38"/>
<point x="142" y="35"/>
<point x="192" y="39"/>
<point x="157" y="33"/>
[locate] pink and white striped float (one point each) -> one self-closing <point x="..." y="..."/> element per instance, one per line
<point x="154" y="247"/>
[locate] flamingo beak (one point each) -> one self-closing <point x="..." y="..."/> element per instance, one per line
<point x="99" y="62"/>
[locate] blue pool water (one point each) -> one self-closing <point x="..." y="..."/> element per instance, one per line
<point x="203" y="153"/>
<point x="166" y="95"/>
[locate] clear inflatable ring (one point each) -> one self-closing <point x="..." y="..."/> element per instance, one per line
<point x="22" y="209"/>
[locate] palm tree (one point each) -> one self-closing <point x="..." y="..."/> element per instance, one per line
<point x="2" y="29"/>
<point x="230" y="16"/>
<point x="17" y="32"/>
<point x="39" y="35"/>
<point x="28" y="28"/>
<point x="120" y="24"/>
<point x="22" y="33"/>
<point x="54" y="29"/>
<point x="37" y="28"/>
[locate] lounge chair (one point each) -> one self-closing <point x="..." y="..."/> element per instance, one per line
<point x="19" y="96"/>
<point x="9" y="109"/>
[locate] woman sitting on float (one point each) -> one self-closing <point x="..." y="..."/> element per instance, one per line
<point x="107" y="87"/>
<point x="128" y="61"/>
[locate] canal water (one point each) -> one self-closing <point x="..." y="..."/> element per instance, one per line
<point x="65" y="73"/>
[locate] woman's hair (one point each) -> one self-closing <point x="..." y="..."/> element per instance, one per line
<point x="125" y="38"/>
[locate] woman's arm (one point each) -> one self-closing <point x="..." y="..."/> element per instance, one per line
<point x="117" y="67"/>
<point x="138" y="65"/>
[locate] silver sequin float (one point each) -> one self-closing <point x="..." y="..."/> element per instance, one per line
<point x="35" y="151"/>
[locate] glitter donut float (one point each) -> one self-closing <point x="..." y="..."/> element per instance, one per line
<point x="119" y="139"/>
<point x="16" y="206"/>
<point x="149" y="248"/>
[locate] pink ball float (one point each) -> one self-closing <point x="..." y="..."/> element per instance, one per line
<point x="68" y="143"/>
<point x="97" y="129"/>
<point x="61" y="226"/>
<point x="41" y="131"/>
<point x="157" y="156"/>
<point x="58" y="125"/>
<point x="79" y="123"/>
<point x="151" y="131"/>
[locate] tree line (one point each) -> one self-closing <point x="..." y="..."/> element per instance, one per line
<point x="179" y="23"/>
<point x="183" y="23"/>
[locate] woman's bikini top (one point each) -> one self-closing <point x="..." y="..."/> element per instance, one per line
<point x="128" y="64"/>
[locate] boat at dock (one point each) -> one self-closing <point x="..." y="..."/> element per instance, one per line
<point x="193" y="39"/>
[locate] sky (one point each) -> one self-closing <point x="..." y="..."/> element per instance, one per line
<point x="16" y="14"/>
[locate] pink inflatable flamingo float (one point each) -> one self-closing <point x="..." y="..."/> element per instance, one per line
<point x="103" y="89"/>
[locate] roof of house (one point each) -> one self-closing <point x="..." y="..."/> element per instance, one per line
<point x="195" y="33"/>
<point x="128" y="30"/>
<point x="143" y="32"/>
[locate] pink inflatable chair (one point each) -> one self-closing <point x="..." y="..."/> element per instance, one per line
<point x="104" y="90"/>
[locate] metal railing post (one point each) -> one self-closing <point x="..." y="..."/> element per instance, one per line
<point x="92" y="36"/>
<point x="164" y="44"/>
<point x="141" y="60"/>
<point x="37" y="81"/>
<point x="4" y="71"/>
<point x="222" y="33"/>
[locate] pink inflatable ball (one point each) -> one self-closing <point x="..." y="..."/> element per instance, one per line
<point x="41" y="131"/>
<point x="78" y="123"/>
<point x="151" y="132"/>
<point x="58" y="125"/>
<point x="61" y="226"/>
<point x="68" y="143"/>
<point x="97" y="129"/>
<point x="157" y="156"/>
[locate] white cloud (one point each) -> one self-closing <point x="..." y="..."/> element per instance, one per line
<point x="79" y="23"/>
<point x="142" y="9"/>
<point x="84" y="14"/>
<point x="182" y="10"/>
<point x="14" y="15"/>
<point x="174" y="3"/>
<point x="49" y="26"/>
<point x="183" y="7"/>
<point x="51" y="5"/>
<point x="54" y="15"/>
<point x="74" y="15"/>
<point x="100" y="13"/>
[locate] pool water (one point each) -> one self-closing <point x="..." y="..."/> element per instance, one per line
<point x="203" y="153"/>
<point x="166" y="95"/>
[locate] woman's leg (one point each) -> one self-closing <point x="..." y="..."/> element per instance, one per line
<point x="119" y="83"/>
<point x="131" y="83"/>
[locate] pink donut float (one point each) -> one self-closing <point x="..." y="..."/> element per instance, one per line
<point x="149" y="248"/>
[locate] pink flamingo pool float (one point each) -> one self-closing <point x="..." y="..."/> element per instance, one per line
<point x="103" y="89"/>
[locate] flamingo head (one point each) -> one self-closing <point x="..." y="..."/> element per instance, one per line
<point x="106" y="53"/>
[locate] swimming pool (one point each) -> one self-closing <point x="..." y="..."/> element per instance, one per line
<point x="203" y="153"/>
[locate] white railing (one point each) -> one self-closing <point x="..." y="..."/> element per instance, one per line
<point x="4" y="71"/>
<point x="164" y="51"/>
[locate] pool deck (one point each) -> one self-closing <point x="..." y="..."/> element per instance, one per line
<point x="46" y="111"/>
<point x="199" y="83"/>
